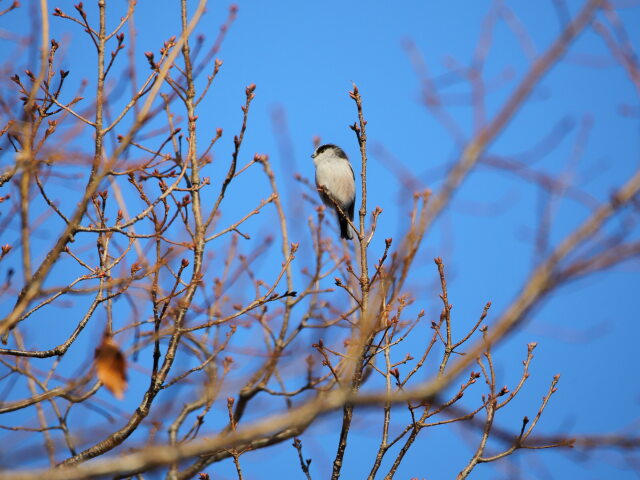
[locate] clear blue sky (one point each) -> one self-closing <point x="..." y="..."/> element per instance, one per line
<point x="303" y="57"/>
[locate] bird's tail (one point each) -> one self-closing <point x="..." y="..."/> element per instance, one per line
<point x="345" y="230"/>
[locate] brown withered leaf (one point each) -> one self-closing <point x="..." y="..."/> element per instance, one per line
<point x="111" y="366"/>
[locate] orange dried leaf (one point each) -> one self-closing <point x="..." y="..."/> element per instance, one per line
<point x="111" y="366"/>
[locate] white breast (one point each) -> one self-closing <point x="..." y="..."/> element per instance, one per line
<point x="335" y="174"/>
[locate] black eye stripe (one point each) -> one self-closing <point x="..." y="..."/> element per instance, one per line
<point x="338" y="151"/>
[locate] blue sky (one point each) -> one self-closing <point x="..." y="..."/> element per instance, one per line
<point x="303" y="57"/>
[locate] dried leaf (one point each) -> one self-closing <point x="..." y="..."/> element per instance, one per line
<point x="111" y="366"/>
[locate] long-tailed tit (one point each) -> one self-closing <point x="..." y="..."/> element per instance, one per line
<point x="336" y="183"/>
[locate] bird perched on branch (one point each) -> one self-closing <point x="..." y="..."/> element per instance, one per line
<point x="336" y="184"/>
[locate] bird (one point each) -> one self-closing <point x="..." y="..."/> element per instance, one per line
<point x="336" y="183"/>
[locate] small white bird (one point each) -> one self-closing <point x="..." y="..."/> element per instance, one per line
<point x="334" y="173"/>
